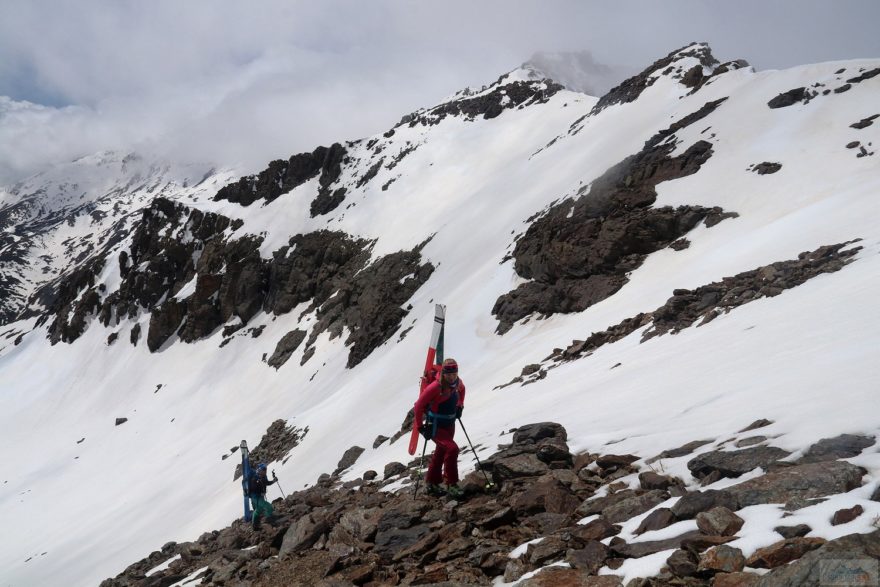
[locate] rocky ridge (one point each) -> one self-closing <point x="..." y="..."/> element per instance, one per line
<point x="193" y="275"/>
<point x="580" y="251"/>
<point x="551" y="508"/>
<point x="703" y="304"/>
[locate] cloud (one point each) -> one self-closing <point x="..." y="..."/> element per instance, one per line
<point x="240" y="83"/>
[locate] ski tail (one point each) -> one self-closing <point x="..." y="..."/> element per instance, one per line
<point x="432" y="362"/>
<point x="245" y="479"/>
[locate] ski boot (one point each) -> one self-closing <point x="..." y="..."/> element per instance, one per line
<point x="434" y="490"/>
<point x="454" y="491"/>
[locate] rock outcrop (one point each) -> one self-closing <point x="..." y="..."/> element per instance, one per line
<point x="355" y="533"/>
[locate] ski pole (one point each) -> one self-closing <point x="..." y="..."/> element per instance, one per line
<point x="489" y="484"/>
<point x="279" y="485"/>
<point x="421" y="465"/>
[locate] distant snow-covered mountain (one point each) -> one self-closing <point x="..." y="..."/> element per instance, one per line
<point x="655" y="268"/>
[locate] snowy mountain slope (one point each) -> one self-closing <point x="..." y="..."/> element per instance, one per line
<point x="62" y="217"/>
<point x="470" y="183"/>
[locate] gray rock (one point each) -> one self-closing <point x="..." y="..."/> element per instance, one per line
<point x="348" y="459"/>
<point x="640" y="549"/>
<point x="657" y="520"/>
<point x="303" y="533"/>
<point x="756" y="424"/>
<point x="532" y="433"/>
<point x="693" y="503"/>
<point x="683" y="563"/>
<point x="798" y="482"/>
<point x="852" y="555"/>
<point x="680" y="451"/>
<point x="735" y="463"/>
<point x="839" y="447"/>
<point x="793" y="531"/>
<point x="392" y="469"/>
<point x="286" y="347"/>
<point x="590" y="558"/>
<point x="524" y="465"/>
<point x="634" y="506"/>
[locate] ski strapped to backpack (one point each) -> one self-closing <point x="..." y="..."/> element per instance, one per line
<point x="245" y="479"/>
<point x="433" y="364"/>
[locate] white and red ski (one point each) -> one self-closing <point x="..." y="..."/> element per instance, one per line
<point x="432" y="365"/>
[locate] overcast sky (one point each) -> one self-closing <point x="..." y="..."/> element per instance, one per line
<point x="238" y="82"/>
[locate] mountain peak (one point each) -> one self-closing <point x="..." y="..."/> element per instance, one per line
<point x="576" y="70"/>
<point x="691" y="66"/>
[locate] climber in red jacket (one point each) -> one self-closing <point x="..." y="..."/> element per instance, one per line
<point x="440" y="403"/>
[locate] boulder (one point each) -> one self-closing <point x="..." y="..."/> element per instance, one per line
<point x="590" y="558"/>
<point x="349" y="458"/>
<point x="523" y="465"/>
<point x="608" y="461"/>
<point x="735" y="463"/>
<point x="651" y="480"/>
<point x="598" y="529"/>
<point x="547" y="495"/>
<point x="562" y="577"/>
<point x="841" y="561"/>
<point x="548" y="550"/>
<point x="845" y="516"/>
<point x="783" y="552"/>
<point x="640" y="549"/>
<point x="392" y="469"/>
<point x="723" y="559"/>
<point x="683" y="563"/>
<point x="657" y="520"/>
<point x="700" y="501"/>
<point x="735" y="580"/>
<point x="286" y="347"/>
<point x="633" y="506"/>
<point x="303" y="533"/>
<point x="719" y="521"/>
<point x="797" y="482"/>
<point x="839" y="447"/>
<point x="532" y="433"/>
<point x="680" y="451"/>
<point x="793" y="531"/>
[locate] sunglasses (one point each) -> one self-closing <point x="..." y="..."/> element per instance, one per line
<point x="447" y="370"/>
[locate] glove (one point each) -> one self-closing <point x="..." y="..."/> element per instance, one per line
<point x="274" y="476"/>
<point x="426" y="432"/>
<point x="458" y="412"/>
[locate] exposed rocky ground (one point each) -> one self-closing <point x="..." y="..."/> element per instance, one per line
<point x="175" y="247"/>
<point x="703" y="304"/>
<point x="582" y="249"/>
<point x="356" y="533"/>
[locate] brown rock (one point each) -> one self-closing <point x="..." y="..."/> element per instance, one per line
<point x="783" y="552"/>
<point x="590" y="558"/>
<point x="656" y="520"/>
<point x="719" y="521"/>
<point x="735" y="580"/>
<point x="801" y="481"/>
<point x="700" y="542"/>
<point x="634" y="506"/>
<point x="847" y="515"/>
<point x="722" y="558"/>
<point x="562" y="577"/>
<point x="598" y="529"/>
<point x="550" y="549"/>
<point x="547" y="495"/>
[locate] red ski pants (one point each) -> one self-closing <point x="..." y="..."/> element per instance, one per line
<point x="445" y="458"/>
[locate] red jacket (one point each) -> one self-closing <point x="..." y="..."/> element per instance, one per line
<point x="434" y="398"/>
